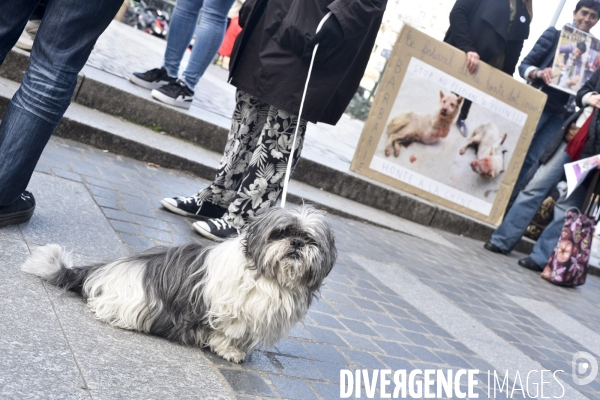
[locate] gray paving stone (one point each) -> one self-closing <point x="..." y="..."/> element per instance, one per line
<point x="358" y="327"/>
<point x="326" y="390"/>
<point x="366" y="304"/>
<point x="325" y="321"/>
<point x="124" y="227"/>
<point x="421" y="353"/>
<point x="325" y="336"/>
<point x="79" y="232"/>
<point x="359" y="342"/>
<point x="107" y="203"/>
<point x="363" y="359"/>
<point x="394" y="349"/>
<point x="72" y="176"/>
<point x="419" y="339"/>
<point x="293" y="348"/>
<point x="136" y="241"/>
<point x="36" y="361"/>
<point x="119" y="215"/>
<point x="258" y="360"/>
<point x="298" y="367"/>
<point x="325" y="353"/>
<point x="329" y="371"/>
<point x="292" y="388"/>
<point x="246" y="382"/>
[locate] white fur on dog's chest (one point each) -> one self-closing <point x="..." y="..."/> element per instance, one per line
<point x="245" y="306"/>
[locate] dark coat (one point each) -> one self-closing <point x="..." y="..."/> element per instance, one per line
<point x="270" y="58"/>
<point x="592" y="145"/>
<point x="541" y="56"/>
<point x="482" y="26"/>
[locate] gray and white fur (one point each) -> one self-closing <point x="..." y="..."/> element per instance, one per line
<point x="232" y="297"/>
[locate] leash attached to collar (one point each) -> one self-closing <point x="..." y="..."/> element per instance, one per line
<point x="289" y="165"/>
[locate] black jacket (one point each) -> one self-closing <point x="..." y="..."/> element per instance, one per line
<point x="270" y="58"/>
<point x="592" y="145"/>
<point x="482" y="26"/>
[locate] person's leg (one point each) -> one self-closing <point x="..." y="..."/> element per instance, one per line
<point x="249" y="118"/>
<point x="13" y="18"/>
<point x="263" y="179"/>
<point x="209" y="36"/>
<point x="548" y="126"/>
<point x="508" y="234"/>
<point x="181" y="30"/>
<point x="64" y="42"/>
<point x="547" y="242"/>
<point x="464" y="114"/>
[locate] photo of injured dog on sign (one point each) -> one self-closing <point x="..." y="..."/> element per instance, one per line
<point x="422" y="137"/>
<point x="437" y="131"/>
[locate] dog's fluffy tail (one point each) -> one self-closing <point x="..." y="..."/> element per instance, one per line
<point x="55" y="265"/>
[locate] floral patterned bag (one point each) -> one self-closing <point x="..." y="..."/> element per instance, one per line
<point x="568" y="264"/>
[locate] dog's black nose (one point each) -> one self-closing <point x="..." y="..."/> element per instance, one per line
<point x="297" y="243"/>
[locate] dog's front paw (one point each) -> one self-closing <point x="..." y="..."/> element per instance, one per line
<point x="462" y="151"/>
<point x="388" y="151"/>
<point x="232" y="354"/>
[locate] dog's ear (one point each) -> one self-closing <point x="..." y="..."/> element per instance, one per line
<point x="441" y="95"/>
<point x="504" y="138"/>
<point x="459" y="100"/>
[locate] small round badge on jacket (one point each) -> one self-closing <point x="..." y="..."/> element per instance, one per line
<point x="523" y="19"/>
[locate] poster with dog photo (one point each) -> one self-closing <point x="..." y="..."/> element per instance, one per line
<point x="577" y="58"/>
<point x="412" y="141"/>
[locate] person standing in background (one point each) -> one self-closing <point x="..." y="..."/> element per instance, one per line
<point x="164" y="82"/>
<point x="269" y="68"/>
<point x="233" y="29"/>
<point x="492" y="31"/>
<point x="536" y="69"/>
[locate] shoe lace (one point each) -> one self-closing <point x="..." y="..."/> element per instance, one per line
<point x="221" y="224"/>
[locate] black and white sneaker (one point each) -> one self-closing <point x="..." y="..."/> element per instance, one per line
<point x="176" y="94"/>
<point x="216" y="229"/>
<point x="152" y="79"/>
<point x="193" y="207"/>
<point x="18" y="212"/>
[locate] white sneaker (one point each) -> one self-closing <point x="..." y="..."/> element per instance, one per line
<point x="176" y="94"/>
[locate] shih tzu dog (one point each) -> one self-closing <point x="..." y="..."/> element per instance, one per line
<point x="232" y="297"/>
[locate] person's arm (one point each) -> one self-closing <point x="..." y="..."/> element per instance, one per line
<point x="356" y="16"/>
<point x="530" y="68"/>
<point x="587" y="95"/>
<point x="459" y="23"/>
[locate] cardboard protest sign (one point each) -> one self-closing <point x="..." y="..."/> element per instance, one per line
<point x="577" y="58"/>
<point x="411" y="141"/>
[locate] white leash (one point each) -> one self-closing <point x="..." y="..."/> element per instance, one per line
<point x="289" y="165"/>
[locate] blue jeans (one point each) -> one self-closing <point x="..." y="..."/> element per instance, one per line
<point x="63" y="44"/>
<point x="548" y="126"/>
<point x="209" y="36"/>
<point x="529" y="200"/>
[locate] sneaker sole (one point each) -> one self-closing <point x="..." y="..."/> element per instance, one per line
<point x="145" y="84"/>
<point x="16" y="218"/>
<point x="170" y="101"/>
<point x="177" y="211"/>
<point x="207" y="234"/>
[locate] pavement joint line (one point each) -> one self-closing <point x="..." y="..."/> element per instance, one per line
<point x="469" y="331"/>
<point x="62" y="330"/>
<point x="561" y="322"/>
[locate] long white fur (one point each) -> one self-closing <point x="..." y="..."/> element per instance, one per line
<point x="243" y="307"/>
<point x="46" y="260"/>
<point x="116" y="294"/>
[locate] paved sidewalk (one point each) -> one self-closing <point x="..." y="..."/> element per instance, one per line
<point x="392" y="301"/>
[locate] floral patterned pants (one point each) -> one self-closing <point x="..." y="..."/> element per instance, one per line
<point x="250" y="177"/>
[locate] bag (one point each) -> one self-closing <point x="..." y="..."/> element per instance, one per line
<point x="568" y="264"/>
<point x="542" y="218"/>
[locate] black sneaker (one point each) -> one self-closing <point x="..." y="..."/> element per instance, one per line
<point x="18" y="212"/>
<point x="152" y="79"/>
<point x="216" y="229"/>
<point x="528" y="263"/>
<point x="175" y="94"/>
<point x="193" y="207"/>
